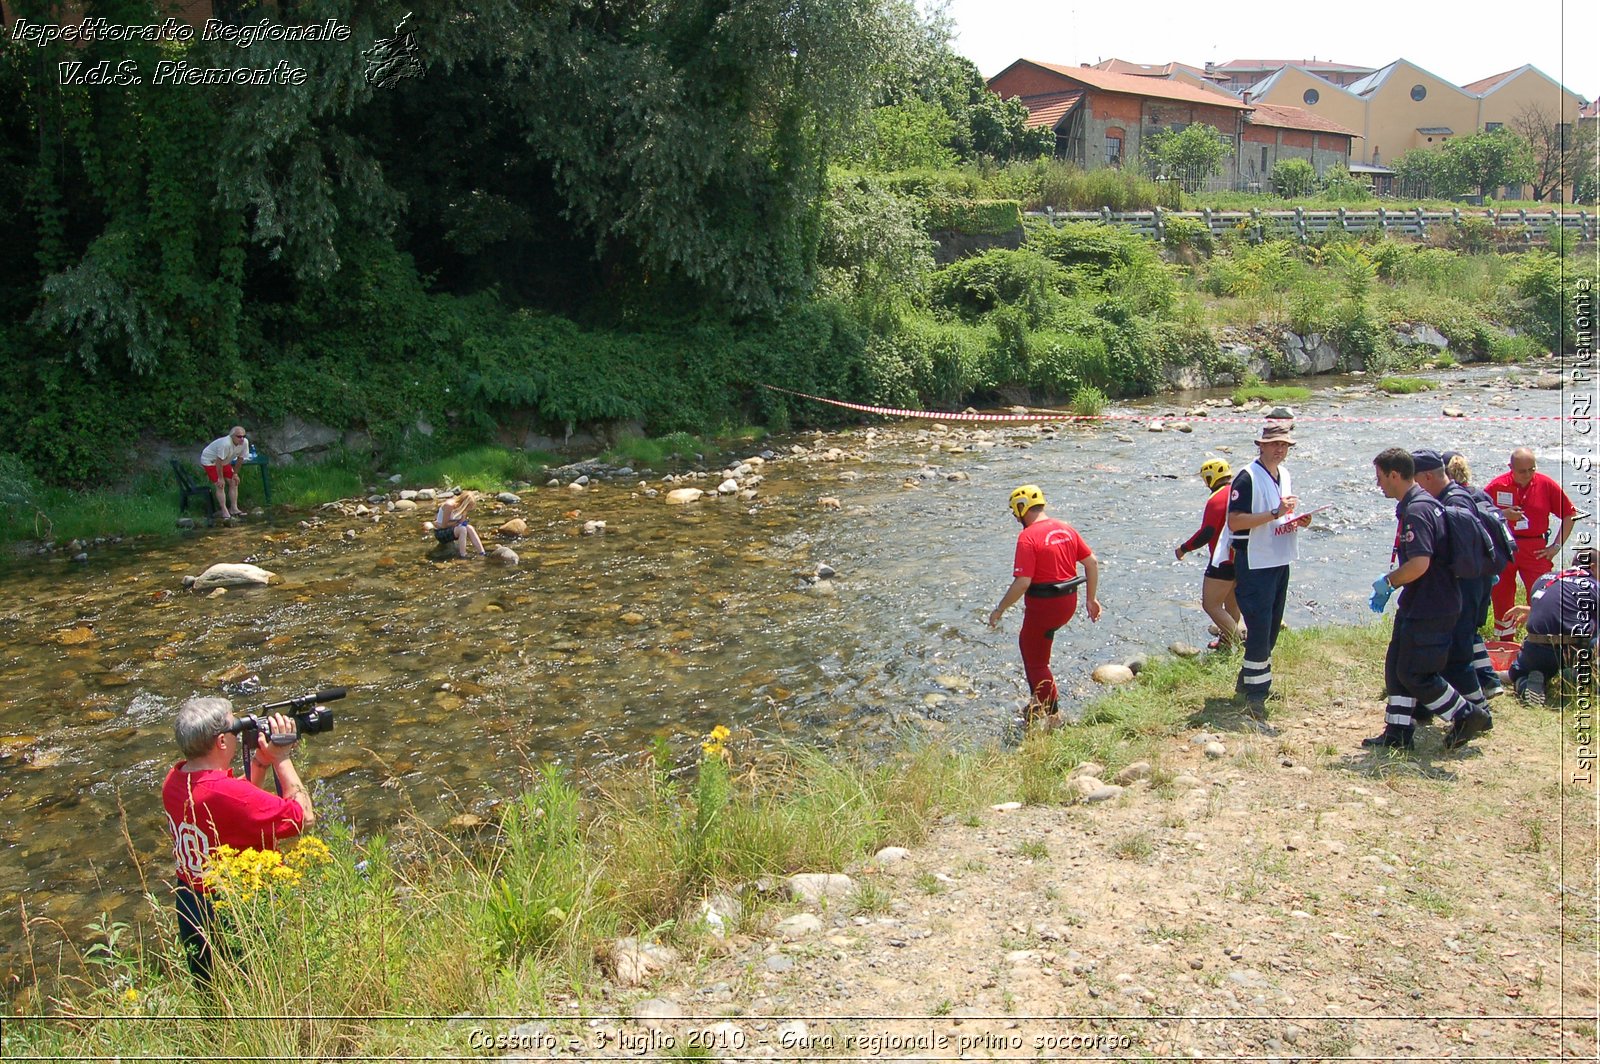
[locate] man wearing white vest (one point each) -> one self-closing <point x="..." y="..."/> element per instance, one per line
<point x="1262" y="532"/>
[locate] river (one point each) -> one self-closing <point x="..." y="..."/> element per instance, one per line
<point x="463" y="675"/>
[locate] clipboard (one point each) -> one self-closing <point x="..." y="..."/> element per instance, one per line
<point x="1281" y="525"/>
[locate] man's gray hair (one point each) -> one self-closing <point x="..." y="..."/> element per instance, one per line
<point x="200" y="720"/>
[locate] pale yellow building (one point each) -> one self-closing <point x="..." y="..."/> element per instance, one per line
<point x="1295" y="86"/>
<point x="1402" y="106"/>
<point x="1524" y="94"/>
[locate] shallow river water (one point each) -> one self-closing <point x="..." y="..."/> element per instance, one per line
<point x="462" y="675"/>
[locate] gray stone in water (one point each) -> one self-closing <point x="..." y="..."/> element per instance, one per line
<point x="1281" y="413"/>
<point x="509" y="499"/>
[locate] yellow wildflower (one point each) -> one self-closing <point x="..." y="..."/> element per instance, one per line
<point x="130" y="995"/>
<point x="712" y="747"/>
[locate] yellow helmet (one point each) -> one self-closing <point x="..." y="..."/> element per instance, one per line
<point x="1214" y="471"/>
<point x="1026" y="498"/>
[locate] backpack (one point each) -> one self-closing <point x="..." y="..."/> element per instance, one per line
<point x="1501" y="541"/>
<point x="1469" y="553"/>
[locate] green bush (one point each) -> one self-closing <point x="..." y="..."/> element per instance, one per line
<point x="1022" y="279"/>
<point x="976" y="217"/>
<point x="1294" y="178"/>
<point x="1188" y="234"/>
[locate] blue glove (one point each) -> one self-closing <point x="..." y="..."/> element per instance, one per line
<point x="1381" y="590"/>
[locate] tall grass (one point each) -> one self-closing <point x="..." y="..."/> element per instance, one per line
<point x="502" y="922"/>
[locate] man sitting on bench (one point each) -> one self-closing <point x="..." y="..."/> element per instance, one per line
<point x="221" y="460"/>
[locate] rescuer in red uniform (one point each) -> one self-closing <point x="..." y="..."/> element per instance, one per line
<point x="1045" y="573"/>
<point x="1216" y="591"/>
<point x="1527" y="499"/>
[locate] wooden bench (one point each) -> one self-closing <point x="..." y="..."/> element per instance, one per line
<point x="188" y="487"/>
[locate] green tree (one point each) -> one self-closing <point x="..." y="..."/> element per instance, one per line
<point x="1425" y="172"/>
<point x="1486" y="161"/>
<point x="1193" y="155"/>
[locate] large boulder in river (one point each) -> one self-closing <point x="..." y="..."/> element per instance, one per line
<point x="231" y="574"/>
<point x="683" y="496"/>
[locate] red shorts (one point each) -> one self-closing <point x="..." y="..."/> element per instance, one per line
<point x="228" y="473"/>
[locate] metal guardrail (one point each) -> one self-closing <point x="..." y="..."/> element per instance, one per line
<point x="1255" y="223"/>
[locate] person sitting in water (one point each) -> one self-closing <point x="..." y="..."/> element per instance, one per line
<point x="452" y="524"/>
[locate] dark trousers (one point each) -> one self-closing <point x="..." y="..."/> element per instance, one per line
<point x="1261" y="594"/>
<point x="1461" y="669"/>
<point x="1419" y="650"/>
<point x="1549" y="660"/>
<point x="199" y="930"/>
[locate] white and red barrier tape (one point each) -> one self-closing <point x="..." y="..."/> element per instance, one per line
<point x="1062" y="415"/>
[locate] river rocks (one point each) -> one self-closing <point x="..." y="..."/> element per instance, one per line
<point x="631" y="962"/>
<point x="1214" y="750"/>
<point x="890" y="855"/>
<point x="503" y="555"/>
<point x="1136" y="664"/>
<point x="728" y="487"/>
<point x="719" y="912"/>
<point x="403" y="506"/>
<point x="1112" y="675"/>
<point x="515" y="528"/>
<point x="186" y="523"/>
<point x="812" y="888"/>
<point x="594" y="528"/>
<point x="1453" y="411"/>
<point x="230" y="574"/>
<point x="1103" y="793"/>
<point x="1312" y="353"/>
<point x="1139" y="770"/>
<point x="683" y="496"/>
<point x="77" y="636"/>
<point x="509" y="499"/>
<point x="798" y="926"/>
<point x="1183" y="650"/>
<point x="1408" y="334"/>
<point x="424" y="495"/>
<point x="827" y="502"/>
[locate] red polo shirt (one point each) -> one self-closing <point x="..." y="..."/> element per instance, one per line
<point x="1538" y="501"/>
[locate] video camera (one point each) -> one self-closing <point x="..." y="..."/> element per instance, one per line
<point x="309" y="719"/>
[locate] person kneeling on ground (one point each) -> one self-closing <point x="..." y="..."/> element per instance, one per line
<point x="208" y="806"/>
<point x="1561" y="625"/>
<point x="452" y="524"/>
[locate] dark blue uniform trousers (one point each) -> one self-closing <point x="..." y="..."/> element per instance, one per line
<point x="1261" y="594"/>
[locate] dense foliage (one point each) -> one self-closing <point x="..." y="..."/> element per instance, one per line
<point x="628" y="213"/>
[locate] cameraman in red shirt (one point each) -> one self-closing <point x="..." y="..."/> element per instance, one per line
<point x="208" y="806"/>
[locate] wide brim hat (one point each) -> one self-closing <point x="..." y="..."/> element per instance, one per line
<point x="1277" y="432"/>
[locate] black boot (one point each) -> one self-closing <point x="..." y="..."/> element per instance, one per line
<point x="1469" y="724"/>
<point x="1394" y="737"/>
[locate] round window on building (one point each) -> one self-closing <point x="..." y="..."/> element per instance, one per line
<point x="1419" y="92"/>
<point x="1311" y="96"/>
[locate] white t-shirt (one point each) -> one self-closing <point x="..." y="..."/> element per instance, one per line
<point x="223" y="451"/>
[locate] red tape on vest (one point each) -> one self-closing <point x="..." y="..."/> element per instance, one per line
<point x="1065" y="415"/>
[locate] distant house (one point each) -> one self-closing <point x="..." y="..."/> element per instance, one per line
<point x="1237" y="75"/>
<point x="1274" y="133"/>
<point x="1101" y="118"/>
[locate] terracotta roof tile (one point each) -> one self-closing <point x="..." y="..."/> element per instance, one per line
<point x="1285" y="117"/>
<point x="1047" y="109"/>
<point x="1136" y="85"/>
<point x="1485" y="84"/>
